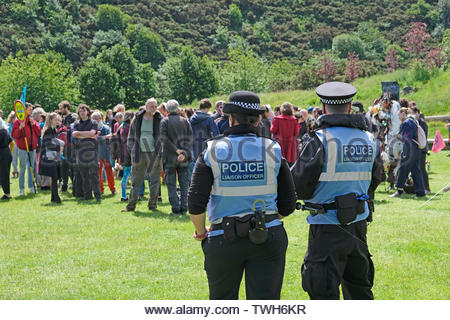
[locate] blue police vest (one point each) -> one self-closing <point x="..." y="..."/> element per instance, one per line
<point x="349" y="157"/>
<point x="245" y="168"/>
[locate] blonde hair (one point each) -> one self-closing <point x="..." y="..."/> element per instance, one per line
<point x="118" y="107"/>
<point x="48" y="121"/>
<point x="97" y="114"/>
<point x="11" y="117"/>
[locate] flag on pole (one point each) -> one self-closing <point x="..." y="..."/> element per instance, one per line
<point x="438" y="143"/>
<point x="24" y="95"/>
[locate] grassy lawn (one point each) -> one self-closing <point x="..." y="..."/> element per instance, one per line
<point x="82" y="250"/>
<point x="432" y="97"/>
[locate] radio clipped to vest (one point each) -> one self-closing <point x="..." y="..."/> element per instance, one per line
<point x="259" y="233"/>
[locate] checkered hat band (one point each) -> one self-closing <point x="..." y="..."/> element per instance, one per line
<point x="247" y="105"/>
<point x="333" y="101"/>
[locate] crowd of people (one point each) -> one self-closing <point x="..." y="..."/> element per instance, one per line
<point x="244" y="166"/>
<point x="90" y="146"/>
<point x="96" y="146"/>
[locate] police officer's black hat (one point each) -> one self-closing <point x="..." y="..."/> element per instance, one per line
<point x="334" y="93"/>
<point x="246" y="102"/>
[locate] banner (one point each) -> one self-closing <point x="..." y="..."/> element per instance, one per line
<point x="19" y="109"/>
<point x="24" y="95"/>
<point x="438" y="143"/>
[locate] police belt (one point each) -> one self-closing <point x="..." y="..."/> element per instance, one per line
<point x="271" y="220"/>
<point x="315" y="208"/>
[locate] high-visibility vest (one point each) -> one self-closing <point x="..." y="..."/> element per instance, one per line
<point x="349" y="157"/>
<point x="245" y="168"/>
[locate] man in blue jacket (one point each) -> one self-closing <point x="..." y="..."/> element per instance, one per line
<point x="203" y="128"/>
<point x="410" y="157"/>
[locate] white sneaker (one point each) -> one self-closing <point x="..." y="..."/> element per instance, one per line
<point x="21" y="192"/>
<point x="32" y="190"/>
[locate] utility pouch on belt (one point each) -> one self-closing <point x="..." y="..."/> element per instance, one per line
<point x="228" y="228"/>
<point x="348" y="207"/>
<point x="259" y="233"/>
<point x="243" y="226"/>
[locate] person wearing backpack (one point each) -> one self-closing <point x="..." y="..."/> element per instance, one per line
<point x="410" y="157"/>
<point x="423" y="152"/>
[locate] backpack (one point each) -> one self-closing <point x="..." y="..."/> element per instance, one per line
<point x="421" y="137"/>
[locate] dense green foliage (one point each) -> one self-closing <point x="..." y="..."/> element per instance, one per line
<point x="272" y="28"/>
<point x="115" y="76"/>
<point x="186" y="77"/>
<point x="191" y="49"/>
<point x="49" y="78"/>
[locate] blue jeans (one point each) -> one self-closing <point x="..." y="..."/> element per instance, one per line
<point x="179" y="204"/>
<point x="25" y="166"/>
<point x="15" y="155"/>
<point x="126" y="175"/>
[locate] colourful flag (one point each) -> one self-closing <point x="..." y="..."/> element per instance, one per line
<point x="438" y="143"/>
<point x="24" y="95"/>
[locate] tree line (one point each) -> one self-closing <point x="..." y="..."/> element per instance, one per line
<point x="117" y="57"/>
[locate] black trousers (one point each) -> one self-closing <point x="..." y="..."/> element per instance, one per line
<point x="54" y="187"/>
<point x="66" y="172"/>
<point x="76" y="182"/>
<point x="90" y="180"/>
<point x="4" y="178"/>
<point x="338" y="255"/>
<point x="225" y="262"/>
<point x="423" y="159"/>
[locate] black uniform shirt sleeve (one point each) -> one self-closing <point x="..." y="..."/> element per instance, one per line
<point x="308" y="167"/>
<point x="287" y="198"/>
<point x="200" y="189"/>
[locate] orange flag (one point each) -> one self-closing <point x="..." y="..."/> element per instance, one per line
<point x="438" y="143"/>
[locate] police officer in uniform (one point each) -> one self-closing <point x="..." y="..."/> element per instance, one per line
<point x="248" y="189"/>
<point x="335" y="175"/>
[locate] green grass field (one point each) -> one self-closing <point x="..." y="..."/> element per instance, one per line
<point x="432" y="97"/>
<point x="82" y="250"/>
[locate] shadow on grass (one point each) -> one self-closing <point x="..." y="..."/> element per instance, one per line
<point x="160" y="215"/>
<point x="28" y="196"/>
<point x="52" y="204"/>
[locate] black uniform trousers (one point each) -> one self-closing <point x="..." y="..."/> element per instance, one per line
<point x="338" y="255"/>
<point x="423" y="169"/>
<point x="225" y="262"/>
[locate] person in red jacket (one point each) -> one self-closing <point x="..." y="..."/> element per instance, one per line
<point x="285" y="128"/>
<point x="31" y="130"/>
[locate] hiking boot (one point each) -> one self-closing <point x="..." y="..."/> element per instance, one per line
<point x="127" y="210"/>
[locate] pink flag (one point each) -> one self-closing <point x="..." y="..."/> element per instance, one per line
<point x="438" y="143"/>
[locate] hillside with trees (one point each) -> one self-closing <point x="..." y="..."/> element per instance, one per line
<point x="106" y="52"/>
